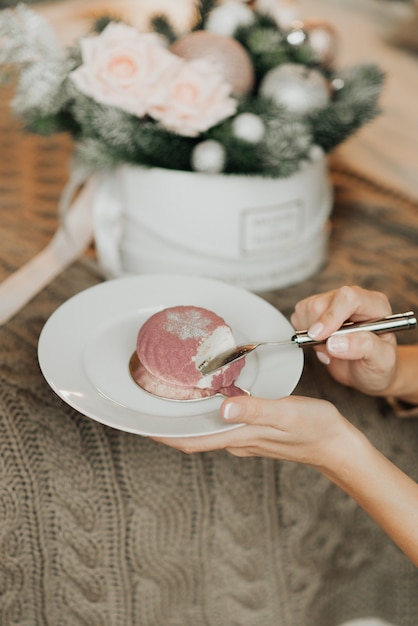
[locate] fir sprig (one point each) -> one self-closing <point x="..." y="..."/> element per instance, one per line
<point x="162" y="25"/>
<point x="354" y="104"/>
<point x="101" y="22"/>
<point x="267" y="45"/>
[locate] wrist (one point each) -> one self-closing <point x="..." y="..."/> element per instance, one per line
<point x="402" y="393"/>
<point x="344" y="466"/>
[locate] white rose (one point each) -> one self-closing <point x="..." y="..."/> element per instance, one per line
<point x="192" y="98"/>
<point x="121" y="67"/>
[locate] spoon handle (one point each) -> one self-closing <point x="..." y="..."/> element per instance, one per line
<point x="396" y="322"/>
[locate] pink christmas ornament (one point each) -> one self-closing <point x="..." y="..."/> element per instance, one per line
<point x="227" y="53"/>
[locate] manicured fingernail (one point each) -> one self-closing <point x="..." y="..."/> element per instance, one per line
<point x="231" y="411"/>
<point x="315" y="330"/>
<point x="338" y="344"/>
<point x="324" y="358"/>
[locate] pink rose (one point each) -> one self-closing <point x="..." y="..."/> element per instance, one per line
<point x="121" y="67"/>
<point x="192" y="97"/>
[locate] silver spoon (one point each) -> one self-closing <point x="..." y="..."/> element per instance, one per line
<point x="398" y="321"/>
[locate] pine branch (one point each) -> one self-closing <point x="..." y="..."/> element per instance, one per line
<point x="48" y="125"/>
<point x="162" y="25"/>
<point x="268" y="47"/>
<point x="158" y="147"/>
<point x="101" y="22"/>
<point x="26" y="37"/>
<point x="278" y="154"/>
<point x="93" y="154"/>
<point x="354" y="105"/>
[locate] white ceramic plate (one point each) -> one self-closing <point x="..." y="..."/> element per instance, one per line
<point x="85" y="347"/>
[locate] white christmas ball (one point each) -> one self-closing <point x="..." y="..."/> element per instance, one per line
<point x="296" y="35"/>
<point x="208" y="157"/>
<point x="249" y="127"/>
<point x="226" y="18"/>
<point x="284" y="12"/>
<point x="296" y="87"/>
<point x="337" y="84"/>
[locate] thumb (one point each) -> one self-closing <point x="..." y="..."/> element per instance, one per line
<point x="252" y="410"/>
<point x="363" y="345"/>
<point x="235" y="409"/>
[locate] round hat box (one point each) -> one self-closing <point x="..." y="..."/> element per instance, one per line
<point x="251" y="231"/>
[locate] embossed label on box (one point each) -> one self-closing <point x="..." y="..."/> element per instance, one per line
<point x="266" y="228"/>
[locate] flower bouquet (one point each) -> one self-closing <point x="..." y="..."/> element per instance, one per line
<point x="237" y="96"/>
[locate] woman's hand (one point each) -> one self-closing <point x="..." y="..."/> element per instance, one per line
<point x="293" y="429"/>
<point x="363" y="360"/>
<point x="313" y="432"/>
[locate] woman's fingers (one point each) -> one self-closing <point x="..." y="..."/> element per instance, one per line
<point x="362" y="360"/>
<point x="293" y="428"/>
<point x="324" y="314"/>
<point x="369" y="348"/>
<point x="250" y="410"/>
<point x="190" y="445"/>
<point x="364" y="346"/>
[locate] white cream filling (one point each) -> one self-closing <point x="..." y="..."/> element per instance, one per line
<point x="220" y="340"/>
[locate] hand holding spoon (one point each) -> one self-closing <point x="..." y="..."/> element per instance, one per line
<point x="392" y="323"/>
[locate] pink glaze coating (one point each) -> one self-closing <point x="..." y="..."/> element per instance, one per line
<point x="167" y="344"/>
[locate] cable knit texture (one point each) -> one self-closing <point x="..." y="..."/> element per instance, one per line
<point x="104" y="528"/>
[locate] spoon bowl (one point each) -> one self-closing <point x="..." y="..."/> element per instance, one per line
<point x="174" y="393"/>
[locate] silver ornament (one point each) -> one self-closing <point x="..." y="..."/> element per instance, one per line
<point x="208" y="157"/>
<point x="296" y="87"/>
<point x="249" y="127"/>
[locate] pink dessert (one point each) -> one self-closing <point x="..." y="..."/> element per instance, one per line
<point x="173" y="343"/>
